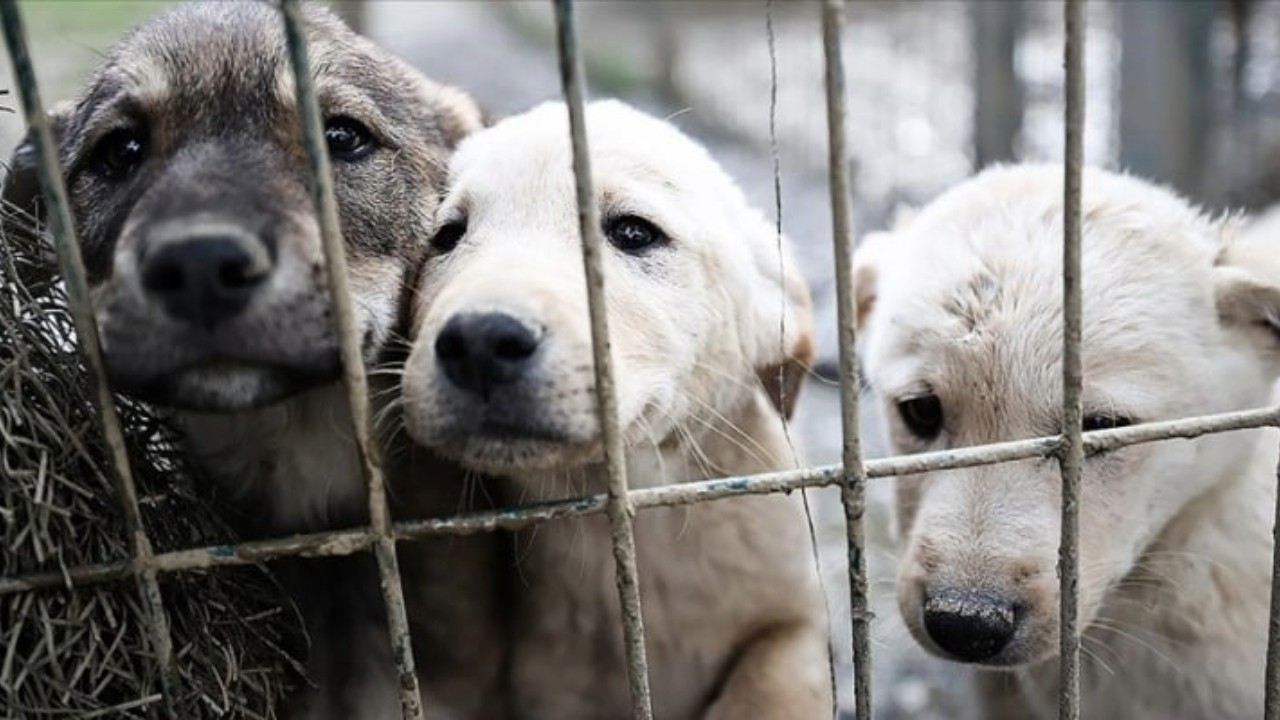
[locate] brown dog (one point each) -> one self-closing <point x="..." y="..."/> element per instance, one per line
<point x="189" y="186"/>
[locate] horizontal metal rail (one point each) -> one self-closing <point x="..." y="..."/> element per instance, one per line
<point x="345" y="542"/>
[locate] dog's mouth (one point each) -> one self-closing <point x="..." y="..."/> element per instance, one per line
<point x="498" y="443"/>
<point x="226" y="385"/>
<point x="501" y="429"/>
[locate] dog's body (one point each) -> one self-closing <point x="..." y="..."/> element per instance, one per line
<point x="701" y="298"/>
<point x="189" y="184"/>
<point x="962" y="340"/>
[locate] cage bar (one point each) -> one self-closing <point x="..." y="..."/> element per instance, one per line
<point x="1271" y="702"/>
<point x="617" y="505"/>
<point x="345" y="542"/>
<point x="854" y="481"/>
<point x="384" y="544"/>
<point x="1071" y="458"/>
<point x="62" y="227"/>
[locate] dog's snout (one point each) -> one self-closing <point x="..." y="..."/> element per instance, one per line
<point x="481" y="351"/>
<point x="204" y="280"/>
<point x="970" y="625"/>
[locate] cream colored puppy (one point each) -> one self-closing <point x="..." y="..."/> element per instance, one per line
<point x="703" y="304"/>
<point x="961" y="315"/>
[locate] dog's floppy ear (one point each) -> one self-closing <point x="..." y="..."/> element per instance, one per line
<point x="1247" y="301"/>
<point x="22" y="202"/>
<point x="21" y="189"/>
<point x="866" y="260"/>
<point x="784" y="321"/>
<point x="1247" y="282"/>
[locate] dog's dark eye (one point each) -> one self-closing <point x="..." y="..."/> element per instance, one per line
<point x="922" y="415"/>
<point x="348" y="139"/>
<point x="449" y="235"/>
<point x="1099" y="421"/>
<point x="632" y="234"/>
<point x="118" y="153"/>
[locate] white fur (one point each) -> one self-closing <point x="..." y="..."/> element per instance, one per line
<point x="965" y="302"/>
<point x="733" y="616"/>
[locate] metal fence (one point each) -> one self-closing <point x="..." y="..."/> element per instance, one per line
<point x="619" y="503"/>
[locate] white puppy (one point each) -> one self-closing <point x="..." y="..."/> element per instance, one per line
<point x="962" y="339"/>
<point x="703" y="304"/>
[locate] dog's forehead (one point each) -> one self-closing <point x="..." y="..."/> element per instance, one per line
<point x="198" y="47"/>
<point x="629" y="150"/>
<point x="973" y="288"/>
<point x="235" y="51"/>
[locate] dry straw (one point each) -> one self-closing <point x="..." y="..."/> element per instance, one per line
<point x="87" y="652"/>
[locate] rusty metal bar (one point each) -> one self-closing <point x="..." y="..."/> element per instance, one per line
<point x="1271" y="704"/>
<point x="384" y="546"/>
<point x="618" y="506"/>
<point x="1071" y="458"/>
<point x="62" y="227"/>
<point x="345" y="542"/>
<point x="853" y="484"/>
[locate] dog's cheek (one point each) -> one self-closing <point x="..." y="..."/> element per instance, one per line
<point x="101" y="211"/>
<point x="378" y="216"/>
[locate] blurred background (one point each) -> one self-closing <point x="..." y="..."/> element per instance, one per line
<point x="1185" y="92"/>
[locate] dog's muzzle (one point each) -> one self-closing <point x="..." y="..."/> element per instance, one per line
<point x="207" y="277"/>
<point x="481" y="353"/>
<point x="971" y="626"/>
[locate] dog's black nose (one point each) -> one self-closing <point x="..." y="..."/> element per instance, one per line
<point x="204" y="280"/>
<point x="971" y="625"/>
<point x="481" y="351"/>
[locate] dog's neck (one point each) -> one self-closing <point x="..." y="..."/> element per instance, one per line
<point x="744" y="438"/>
<point x="288" y="467"/>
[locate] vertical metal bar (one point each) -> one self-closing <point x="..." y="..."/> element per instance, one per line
<point x="853" y="487"/>
<point x="384" y="548"/>
<point x="1271" y="705"/>
<point x="71" y="264"/>
<point x="1072" y="455"/>
<point x="618" y="507"/>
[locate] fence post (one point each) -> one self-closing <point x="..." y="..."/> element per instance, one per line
<point x="997" y="94"/>
<point x="1166" y="90"/>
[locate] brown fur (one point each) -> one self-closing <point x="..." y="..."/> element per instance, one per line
<point x="208" y="90"/>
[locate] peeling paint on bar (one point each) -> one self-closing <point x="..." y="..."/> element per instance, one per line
<point x="384" y="547"/>
<point x="345" y="542"/>
<point x="1071" y="457"/>
<point x="1271" y="702"/>
<point x="62" y="227"/>
<point x="617" y="505"/>
<point x="853" y="481"/>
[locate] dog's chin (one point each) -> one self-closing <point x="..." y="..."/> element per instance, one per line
<point x="500" y="451"/>
<point x="225" y="386"/>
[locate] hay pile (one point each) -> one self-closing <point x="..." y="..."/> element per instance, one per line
<point x="86" y="653"/>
